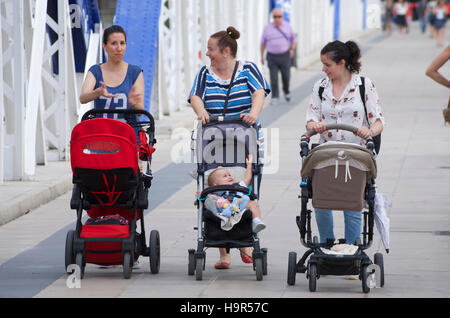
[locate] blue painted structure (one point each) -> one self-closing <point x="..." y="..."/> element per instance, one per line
<point x="283" y="4"/>
<point x="84" y="16"/>
<point x="140" y="21"/>
<point x="364" y="23"/>
<point x="337" y="19"/>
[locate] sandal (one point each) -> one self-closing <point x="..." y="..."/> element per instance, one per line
<point x="245" y="258"/>
<point x="222" y="265"/>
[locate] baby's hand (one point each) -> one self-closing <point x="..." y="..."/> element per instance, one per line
<point x="197" y="194"/>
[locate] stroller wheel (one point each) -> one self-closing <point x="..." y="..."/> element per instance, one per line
<point x="378" y="260"/>
<point x="127" y="265"/>
<point x="264" y="250"/>
<point x="312" y="272"/>
<point x="364" y="279"/>
<point x="80" y="263"/>
<point x="292" y="270"/>
<point x="258" y="268"/>
<point x="69" y="255"/>
<point x="155" y="252"/>
<point x="191" y="264"/>
<point x="199" y="268"/>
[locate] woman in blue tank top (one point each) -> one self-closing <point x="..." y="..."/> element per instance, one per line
<point x="114" y="84"/>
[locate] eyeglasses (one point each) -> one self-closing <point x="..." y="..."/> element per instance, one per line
<point x="277" y="16"/>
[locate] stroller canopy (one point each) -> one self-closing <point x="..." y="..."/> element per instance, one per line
<point x="103" y="144"/>
<point x="225" y="144"/>
<point x="332" y="153"/>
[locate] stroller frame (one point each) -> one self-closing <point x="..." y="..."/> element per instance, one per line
<point x="320" y="263"/>
<point x="134" y="245"/>
<point x="197" y="257"/>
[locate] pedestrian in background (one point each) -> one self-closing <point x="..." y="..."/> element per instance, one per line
<point x="279" y="40"/>
<point x="421" y="14"/>
<point x="400" y="10"/>
<point x="440" y="12"/>
<point x="431" y="17"/>
<point x="389" y="15"/>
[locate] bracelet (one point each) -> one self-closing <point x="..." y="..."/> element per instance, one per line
<point x="371" y="132"/>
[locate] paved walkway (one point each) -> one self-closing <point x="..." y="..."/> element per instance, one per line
<point x="414" y="171"/>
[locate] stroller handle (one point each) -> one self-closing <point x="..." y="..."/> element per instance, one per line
<point x="87" y="115"/>
<point x="233" y="119"/>
<point x="351" y="128"/>
<point x="305" y="137"/>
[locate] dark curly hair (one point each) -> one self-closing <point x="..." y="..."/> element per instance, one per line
<point x="227" y="39"/>
<point x="348" y="51"/>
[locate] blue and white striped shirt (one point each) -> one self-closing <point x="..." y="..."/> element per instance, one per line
<point x="213" y="90"/>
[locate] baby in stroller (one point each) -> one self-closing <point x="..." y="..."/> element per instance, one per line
<point x="230" y="207"/>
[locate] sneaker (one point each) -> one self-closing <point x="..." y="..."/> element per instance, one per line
<point x="136" y="265"/>
<point x="287" y="97"/>
<point x="257" y="225"/>
<point x="274" y="101"/>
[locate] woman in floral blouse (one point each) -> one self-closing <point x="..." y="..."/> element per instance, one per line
<point x="341" y="104"/>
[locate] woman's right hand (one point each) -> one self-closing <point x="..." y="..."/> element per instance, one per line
<point x="319" y="127"/>
<point x="203" y="116"/>
<point x="103" y="91"/>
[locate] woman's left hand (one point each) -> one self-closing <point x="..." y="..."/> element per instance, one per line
<point x="249" y="118"/>
<point x="135" y="97"/>
<point x="364" y="132"/>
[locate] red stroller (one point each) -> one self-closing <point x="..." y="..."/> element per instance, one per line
<point x="109" y="185"/>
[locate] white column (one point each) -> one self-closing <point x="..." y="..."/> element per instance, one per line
<point x="62" y="118"/>
<point x="34" y="88"/>
<point x="2" y="107"/>
<point x="18" y="82"/>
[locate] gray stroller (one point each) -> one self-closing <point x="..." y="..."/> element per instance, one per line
<point x="337" y="176"/>
<point x="225" y="142"/>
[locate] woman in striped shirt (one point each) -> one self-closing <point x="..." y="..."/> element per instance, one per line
<point x="211" y="84"/>
<point x="246" y="100"/>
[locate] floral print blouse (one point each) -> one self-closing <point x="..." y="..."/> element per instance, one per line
<point x="348" y="109"/>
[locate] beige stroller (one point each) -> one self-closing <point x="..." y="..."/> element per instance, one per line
<point x="336" y="176"/>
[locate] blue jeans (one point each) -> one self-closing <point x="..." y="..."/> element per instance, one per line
<point x="324" y="220"/>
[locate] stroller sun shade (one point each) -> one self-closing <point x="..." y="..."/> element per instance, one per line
<point x="103" y="144"/>
<point x="105" y="161"/>
<point x="225" y="144"/>
<point x="339" y="174"/>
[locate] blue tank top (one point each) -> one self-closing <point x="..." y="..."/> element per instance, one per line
<point x="121" y="101"/>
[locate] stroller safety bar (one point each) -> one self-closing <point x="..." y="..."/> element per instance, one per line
<point x="233" y="188"/>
